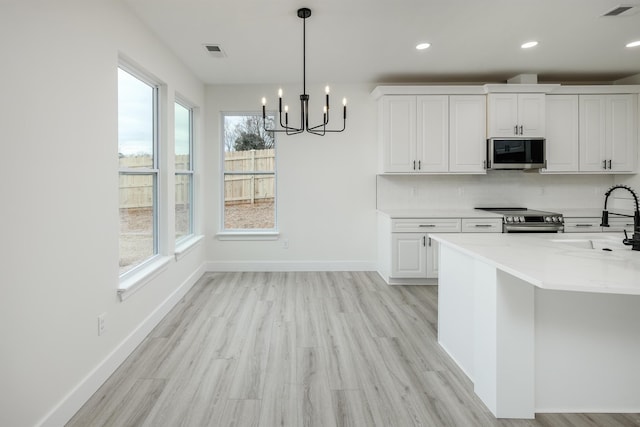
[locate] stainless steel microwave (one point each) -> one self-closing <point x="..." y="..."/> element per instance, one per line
<point x="516" y="153"/>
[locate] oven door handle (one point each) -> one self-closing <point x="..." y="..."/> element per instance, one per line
<point x="533" y="228"/>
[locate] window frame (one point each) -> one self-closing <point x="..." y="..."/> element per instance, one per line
<point x="190" y="172"/>
<point x="248" y="233"/>
<point x="154" y="171"/>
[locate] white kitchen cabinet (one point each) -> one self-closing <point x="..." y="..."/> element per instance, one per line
<point x="415" y="133"/>
<point x="608" y="133"/>
<point x="409" y="255"/>
<point x="516" y="115"/>
<point x="562" y="133"/>
<point x="413" y="255"/>
<point x="582" y="225"/>
<point x="467" y="130"/>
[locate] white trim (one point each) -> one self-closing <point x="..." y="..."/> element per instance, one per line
<point x="248" y="235"/>
<point x="73" y="401"/>
<point x="186" y="246"/>
<point x="140" y="278"/>
<point x="216" y="266"/>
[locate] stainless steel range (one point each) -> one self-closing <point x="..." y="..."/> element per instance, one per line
<point x="523" y="220"/>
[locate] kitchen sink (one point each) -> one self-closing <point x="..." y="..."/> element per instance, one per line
<point x="597" y="244"/>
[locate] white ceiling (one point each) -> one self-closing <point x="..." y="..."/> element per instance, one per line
<point x="373" y="41"/>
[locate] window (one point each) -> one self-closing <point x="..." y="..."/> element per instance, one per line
<point x="138" y="168"/>
<point x="249" y="173"/>
<point x="184" y="170"/>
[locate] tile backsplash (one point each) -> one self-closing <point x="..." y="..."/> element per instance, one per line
<point x="497" y="188"/>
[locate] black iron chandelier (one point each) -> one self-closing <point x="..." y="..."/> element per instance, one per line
<point x="320" y="129"/>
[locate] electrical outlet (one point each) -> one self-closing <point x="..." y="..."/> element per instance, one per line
<point x="101" y="323"/>
<point x="285" y="244"/>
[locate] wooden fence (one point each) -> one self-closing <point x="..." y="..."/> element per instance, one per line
<point x="136" y="191"/>
<point x="244" y="187"/>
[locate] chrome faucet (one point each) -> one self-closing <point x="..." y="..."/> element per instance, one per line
<point x="634" y="241"/>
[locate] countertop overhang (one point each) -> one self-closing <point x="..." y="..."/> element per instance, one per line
<point x="551" y="261"/>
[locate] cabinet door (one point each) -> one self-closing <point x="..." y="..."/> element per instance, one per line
<point x="467" y="130"/>
<point x="433" y="133"/>
<point x="408" y="255"/>
<point x="620" y="132"/>
<point x="433" y="258"/>
<point x="398" y="133"/>
<point x="502" y="114"/>
<point x="531" y="114"/>
<point x="562" y="133"/>
<point x="592" y="133"/>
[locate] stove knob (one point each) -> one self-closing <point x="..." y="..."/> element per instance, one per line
<point x="509" y="219"/>
<point x="521" y="219"/>
<point x="547" y="219"/>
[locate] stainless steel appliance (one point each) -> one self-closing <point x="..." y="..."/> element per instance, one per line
<point x="523" y="220"/>
<point x="516" y="153"/>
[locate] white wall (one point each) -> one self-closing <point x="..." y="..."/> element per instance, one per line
<point x="326" y="185"/>
<point x="59" y="217"/>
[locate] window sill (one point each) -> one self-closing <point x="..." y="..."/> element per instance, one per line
<point x="136" y="281"/>
<point x="248" y="235"/>
<point x="187" y="246"/>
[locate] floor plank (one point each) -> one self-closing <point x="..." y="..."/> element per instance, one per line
<point x="300" y="349"/>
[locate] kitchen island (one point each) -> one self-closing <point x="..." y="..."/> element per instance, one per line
<point x="543" y="322"/>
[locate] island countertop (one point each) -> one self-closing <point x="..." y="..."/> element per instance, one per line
<point x="557" y="261"/>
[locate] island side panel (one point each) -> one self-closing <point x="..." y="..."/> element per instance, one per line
<point x="515" y="340"/>
<point x="587" y="352"/>
<point x="455" y="307"/>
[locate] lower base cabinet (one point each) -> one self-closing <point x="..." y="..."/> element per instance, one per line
<point x="408" y="255"/>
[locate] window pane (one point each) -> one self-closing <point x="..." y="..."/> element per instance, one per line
<point x="183" y="137"/>
<point x="137" y="219"/>
<point x="248" y="147"/>
<point x="183" y="205"/>
<point x="249" y="201"/>
<point x="136" y="122"/>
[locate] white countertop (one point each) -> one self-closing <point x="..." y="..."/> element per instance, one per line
<point x="438" y="213"/>
<point x="555" y="261"/>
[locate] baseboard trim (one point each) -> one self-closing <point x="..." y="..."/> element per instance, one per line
<point x="215" y="266"/>
<point x="77" y="397"/>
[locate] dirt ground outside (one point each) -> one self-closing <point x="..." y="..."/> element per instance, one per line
<point x="136" y="225"/>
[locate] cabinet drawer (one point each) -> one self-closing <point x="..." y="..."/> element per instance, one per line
<point x="582" y="225"/>
<point x="426" y="225"/>
<point x="619" y="224"/>
<point x="478" y="225"/>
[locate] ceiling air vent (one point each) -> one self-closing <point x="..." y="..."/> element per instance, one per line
<point x="622" y="10"/>
<point x="215" y="50"/>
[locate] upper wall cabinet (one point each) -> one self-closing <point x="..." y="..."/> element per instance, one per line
<point x="467" y="128"/>
<point x="562" y="133"/>
<point x="415" y="133"/>
<point x="432" y="133"/>
<point x="608" y="133"/>
<point x="516" y="115"/>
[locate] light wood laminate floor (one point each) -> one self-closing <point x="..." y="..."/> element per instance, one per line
<point x="300" y="349"/>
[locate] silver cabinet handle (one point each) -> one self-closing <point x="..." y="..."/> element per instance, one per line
<point x="604" y="164"/>
<point x="426" y="225"/>
<point x="521" y="130"/>
<point x="483" y="225"/>
<point x="584" y="225"/>
<point x="609" y="163"/>
<point x="515" y="130"/>
<point x="424" y="241"/>
<point x="419" y="164"/>
<point x="429" y="240"/>
<point x="414" y="165"/>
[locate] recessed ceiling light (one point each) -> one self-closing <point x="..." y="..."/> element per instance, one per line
<point x="530" y="44"/>
<point x="634" y="44"/>
<point x="423" y="46"/>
